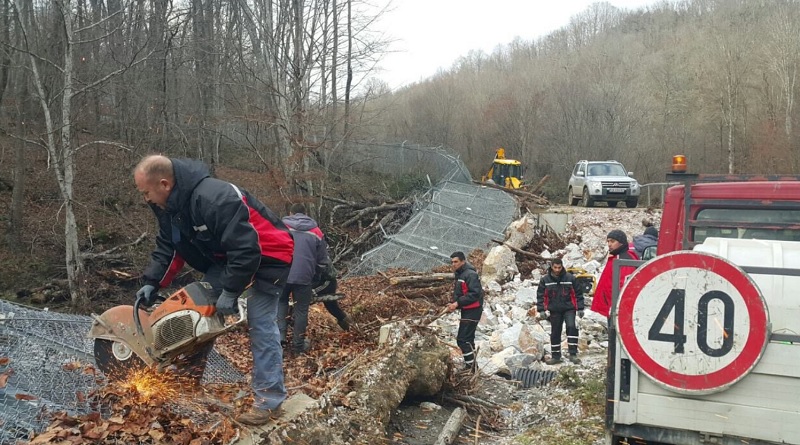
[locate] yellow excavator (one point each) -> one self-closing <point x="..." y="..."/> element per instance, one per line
<point x="504" y="172"/>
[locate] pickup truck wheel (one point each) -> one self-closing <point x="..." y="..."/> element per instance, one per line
<point x="612" y="203"/>
<point x="631" y="203"/>
<point x="587" y="199"/>
<point x="573" y="201"/>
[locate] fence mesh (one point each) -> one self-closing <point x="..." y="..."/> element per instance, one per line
<point x="401" y="159"/>
<point x="44" y="357"/>
<point x="453" y="215"/>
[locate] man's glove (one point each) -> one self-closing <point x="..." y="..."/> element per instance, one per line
<point x="544" y="315"/>
<point x="227" y="303"/>
<point x="147" y="294"/>
<point x="580" y="313"/>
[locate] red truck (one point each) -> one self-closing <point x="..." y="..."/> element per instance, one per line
<point x="704" y="339"/>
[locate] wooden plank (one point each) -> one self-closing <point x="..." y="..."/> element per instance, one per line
<point x="292" y="407"/>
<point x="452" y="427"/>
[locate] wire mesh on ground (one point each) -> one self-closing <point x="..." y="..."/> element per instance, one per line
<point x="47" y="363"/>
<point x="457" y="217"/>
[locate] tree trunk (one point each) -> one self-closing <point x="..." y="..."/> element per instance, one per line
<point x="349" y="81"/>
<point x="74" y="262"/>
<point x="18" y="194"/>
<point x="412" y="363"/>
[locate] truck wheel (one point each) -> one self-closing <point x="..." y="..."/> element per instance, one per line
<point x="631" y="203"/>
<point x="612" y="203"/>
<point x="573" y="201"/>
<point x="587" y="199"/>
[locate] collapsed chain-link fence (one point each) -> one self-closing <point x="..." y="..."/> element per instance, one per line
<point x="454" y="215"/>
<point x="47" y="366"/>
<point x="401" y="159"/>
<point x="458" y="217"/>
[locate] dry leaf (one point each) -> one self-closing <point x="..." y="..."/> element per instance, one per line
<point x="116" y="419"/>
<point x="4" y="378"/>
<point x="157" y="435"/>
<point x="71" y="366"/>
<point x="24" y="397"/>
<point x="4" y="361"/>
<point x="79" y="395"/>
<point x="45" y="437"/>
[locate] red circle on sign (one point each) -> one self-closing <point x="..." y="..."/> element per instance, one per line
<point x="714" y="381"/>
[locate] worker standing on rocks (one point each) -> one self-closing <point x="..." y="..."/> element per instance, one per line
<point x="468" y="297"/>
<point x="559" y="300"/>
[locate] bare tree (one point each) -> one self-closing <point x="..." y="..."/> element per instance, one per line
<point x="57" y="109"/>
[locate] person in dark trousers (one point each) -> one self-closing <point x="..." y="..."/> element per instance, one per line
<point x="326" y="284"/>
<point x="468" y="297"/>
<point x="227" y="234"/>
<point x="560" y="299"/>
<point x="648" y="239"/>
<point x="618" y="247"/>
<point x="310" y="256"/>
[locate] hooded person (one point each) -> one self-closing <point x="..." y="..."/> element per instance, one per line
<point x="310" y="256"/>
<point x="618" y="247"/>
<point x="648" y="239"/>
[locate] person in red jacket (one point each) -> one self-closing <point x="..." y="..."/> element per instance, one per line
<point x="617" y="248"/>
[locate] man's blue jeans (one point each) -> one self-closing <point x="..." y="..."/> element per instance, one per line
<point x="262" y="309"/>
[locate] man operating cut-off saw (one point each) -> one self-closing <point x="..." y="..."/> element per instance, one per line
<point x="227" y="234"/>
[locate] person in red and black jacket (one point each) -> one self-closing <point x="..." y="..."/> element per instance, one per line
<point x="558" y="298"/>
<point x="233" y="239"/>
<point x="468" y="297"/>
<point x="618" y="247"/>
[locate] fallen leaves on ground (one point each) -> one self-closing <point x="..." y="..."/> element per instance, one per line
<point x="150" y="408"/>
<point x="190" y="415"/>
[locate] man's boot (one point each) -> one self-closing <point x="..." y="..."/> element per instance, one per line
<point x="344" y="323"/>
<point x="574" y="359"/>
<point x="554" y="360"/>
<point x="258" y="416"/>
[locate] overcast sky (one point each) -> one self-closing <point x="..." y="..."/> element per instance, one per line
<point x="432" y="34"/>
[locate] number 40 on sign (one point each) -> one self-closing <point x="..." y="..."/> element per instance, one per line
<point x="692" y="322"/>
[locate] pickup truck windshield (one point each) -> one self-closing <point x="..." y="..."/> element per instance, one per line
<point x="772" y="224"/>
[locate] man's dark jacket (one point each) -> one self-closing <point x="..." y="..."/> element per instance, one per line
<point x="467" y="291"/>
<point x="556" y="293"/>
<point x="208" y="221"/>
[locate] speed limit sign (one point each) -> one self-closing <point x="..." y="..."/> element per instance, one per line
<point x="693" y="322"/>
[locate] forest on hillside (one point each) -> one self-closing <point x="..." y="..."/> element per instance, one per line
<point x="715" y="80"/>
<point x="275" y="93"/>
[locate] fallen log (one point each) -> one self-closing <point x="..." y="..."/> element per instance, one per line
<point x="421" y="280"/>
<point x="520" y="251"/>
<point x="412" y="363"/>
<point x="432" y="294"/>
<point x="540" y="184"/>
<point x="377" y="209"/>
<point x="109" y="254"/>
<point x="452" y="427"/>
